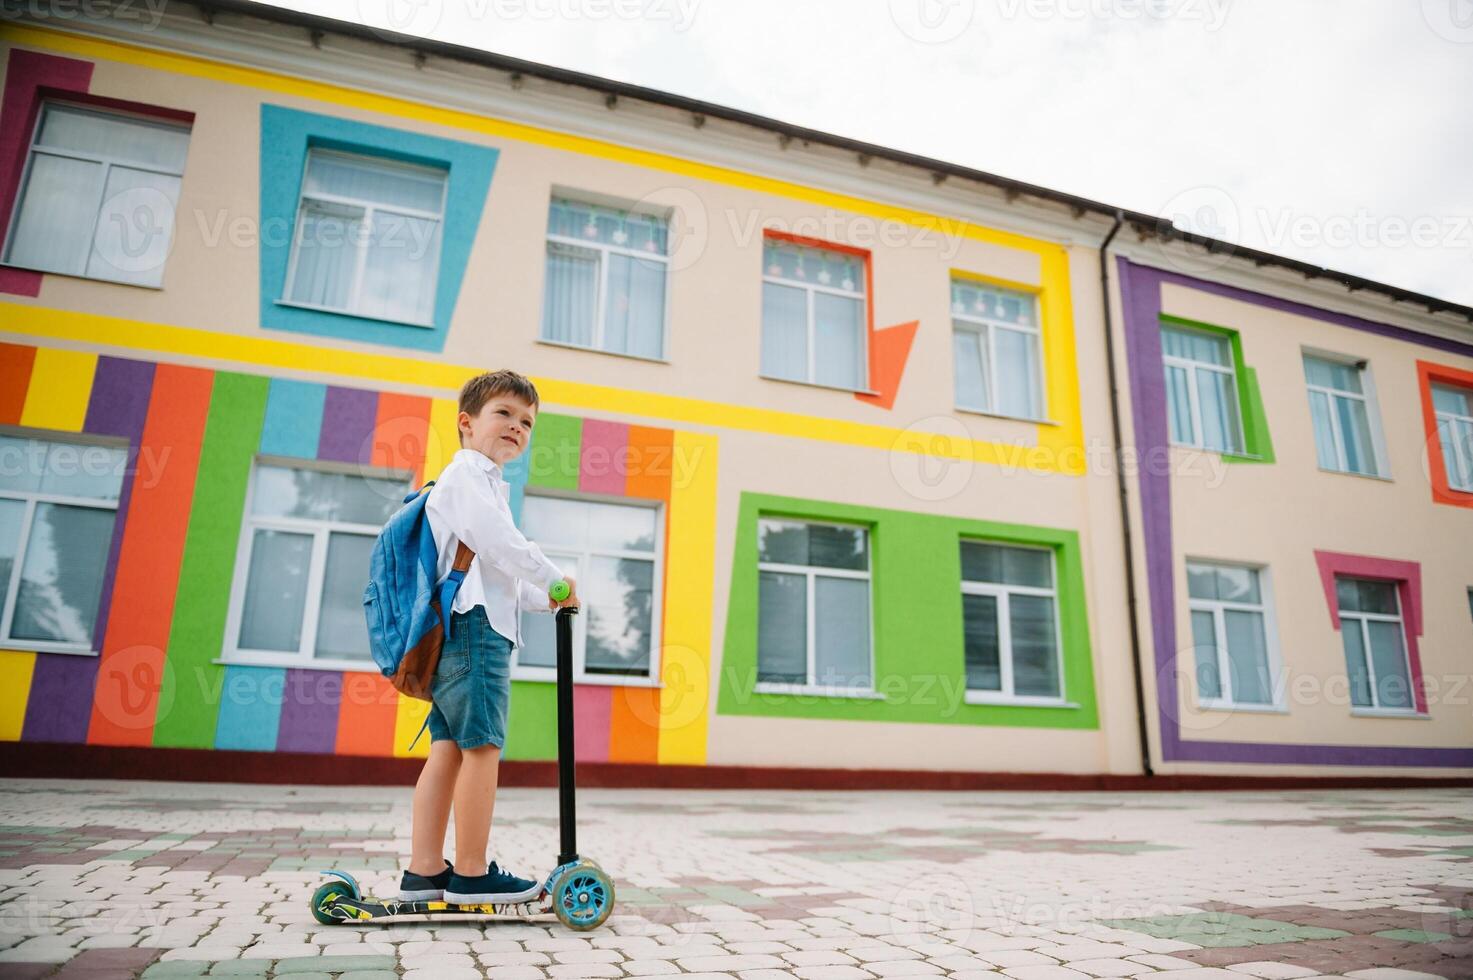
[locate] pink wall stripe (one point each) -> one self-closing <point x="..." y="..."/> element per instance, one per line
<point x="1408" y="578"/>
<point x="603" y="460"/>
<point x="25" y="73"/>
<point x="593" y="707"/>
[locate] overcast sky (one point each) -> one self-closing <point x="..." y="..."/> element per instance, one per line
<point x="1338" y="132"/>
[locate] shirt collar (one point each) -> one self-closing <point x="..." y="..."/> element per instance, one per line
<point x="481" y="462"/>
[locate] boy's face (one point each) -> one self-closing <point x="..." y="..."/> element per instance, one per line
<point x="500" y="430"/>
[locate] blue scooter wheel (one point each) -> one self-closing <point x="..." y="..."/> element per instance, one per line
<point x="583" y="897"/>
<point x="325" y="897"/>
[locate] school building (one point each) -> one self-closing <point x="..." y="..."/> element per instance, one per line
<point x="873" y="469"/>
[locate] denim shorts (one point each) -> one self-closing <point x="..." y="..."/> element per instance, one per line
<point x="472" y="684"/>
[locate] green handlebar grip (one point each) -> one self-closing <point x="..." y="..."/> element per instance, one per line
<point x="559" y="591"/>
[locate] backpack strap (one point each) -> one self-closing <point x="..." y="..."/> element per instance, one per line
<point x="463" y="558"/>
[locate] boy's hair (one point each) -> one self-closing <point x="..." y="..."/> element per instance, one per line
<point x="476" y="392"/>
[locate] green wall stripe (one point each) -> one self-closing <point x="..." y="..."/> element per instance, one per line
<point x="196" y="638"/>
<point x="1258" y="444"/>
<point x="915" y="588"/>
<point x="531" y="720"/>
<point x="556" y="442"/>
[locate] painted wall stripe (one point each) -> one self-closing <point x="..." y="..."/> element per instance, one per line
<point x="651" y="462"/>
<point x="293" y="420"/>
<point x="61" y="382"/>
<point x="591" y="705"/>
<point x="15" y="379"/>
<point x="368" y="716"/>
<point x="118" y="406"/>
<point x="690" y="568"/>
<point x="348" y="415"/>
<point x="130" y="671"/>
<point x="408" y="716"/>
<point x="250" y="708"/>
<point x="232" y="431"/>
<point x="634" y="725"/>
<point x="603" y="459"/>
<point x="16" y="670"/>
<point x="441" y="442"/>
<point x="309" y="710"/>
<point x="400" y="433"/>
<point x="554" y="452"/>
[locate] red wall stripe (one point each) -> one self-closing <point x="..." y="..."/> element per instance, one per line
<point x="130" y="670"/>
<point x="15" y="377"/>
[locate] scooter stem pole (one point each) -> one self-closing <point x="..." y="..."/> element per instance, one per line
<point x="567" y="821"/>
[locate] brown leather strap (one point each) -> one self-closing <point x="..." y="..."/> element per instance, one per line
<point x="463" y="557"/>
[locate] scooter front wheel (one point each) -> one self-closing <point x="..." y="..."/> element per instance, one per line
<point x="583" y="897"/>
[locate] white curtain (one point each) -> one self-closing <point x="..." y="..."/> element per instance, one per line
<point x="841" y="655"/>
<point x="784" y="332"/>
<point x="839" y="353"/>
<point x="571" y="294"/>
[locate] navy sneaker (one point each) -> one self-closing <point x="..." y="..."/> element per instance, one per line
<point x="495" y="886"/>
<point x="422" y="888"/>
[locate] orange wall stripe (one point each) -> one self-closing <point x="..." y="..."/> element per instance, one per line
<point x="15" y="378"/>
<point x="366" y="715"/>
<point x="400" y="432"/>
<point x="634" y="725"/>
<point x="130" y="691"/>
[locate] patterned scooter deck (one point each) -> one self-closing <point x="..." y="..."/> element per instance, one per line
<point x="347" y="909"/>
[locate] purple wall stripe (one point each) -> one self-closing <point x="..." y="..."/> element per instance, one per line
<point x="309" y="710"/>
<point x="60" y="705"/>
<point x="603" y="461"/>
<point x="1140" y="292"/>
<point x="348" y="418"/>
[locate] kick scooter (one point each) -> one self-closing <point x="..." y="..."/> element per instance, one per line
<point x="577" y="891"/>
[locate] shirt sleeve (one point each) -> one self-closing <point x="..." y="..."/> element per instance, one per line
<point x="534" y="599"/>
<point x="475" y="514"/>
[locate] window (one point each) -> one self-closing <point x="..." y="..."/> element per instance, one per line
<point x="813" y="617"/>
<point x="814" y="325"/>
<point x="606" y="273"/>
<point x="58" y="505"/>
<point x="995" y="350"/>
<point x="1010" y="622"/>
<point x="1339" y="405"/>
<point x="1375" y="646"/>
<point x="1201" y="391"/>
<point x="613" y="550"/>
<point x="98" y="195"/>
<point x="1230" y="635"/>
<point x="302" y="563"/>
<point x="1454" y="412"/>
<point x="367" y="238"/>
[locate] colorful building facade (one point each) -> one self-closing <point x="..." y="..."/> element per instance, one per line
<point x="827" y="441"/>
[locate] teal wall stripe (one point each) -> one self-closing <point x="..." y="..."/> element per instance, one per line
<point x="250" y="708"/>
<point x="293" y="418"/>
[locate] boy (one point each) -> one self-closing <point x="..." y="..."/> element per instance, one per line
<point x="470" y="502"/>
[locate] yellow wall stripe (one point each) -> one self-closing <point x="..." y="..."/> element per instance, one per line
<point x="410" y="715"/>
<point x="16" y="670"/>
<point x="61" y="383"/>
<point x="30" y="322"/>
<point x="443" y="440"/>
<point x="690" y="568"/>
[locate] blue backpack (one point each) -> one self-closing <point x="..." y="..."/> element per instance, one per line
<point x="408" y="618"/>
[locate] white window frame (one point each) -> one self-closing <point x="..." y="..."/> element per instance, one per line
<point x="1440" y="417"/>
<point x="1367" y="396"/>
<point x="985" y="326"/>
<point x="1194" y="399"/>
<point x="601" y="304"/>
<point x="812" y="289"/>
<point x="31" y="500"/>
<point x="369" y="209"/>
<point x="1000" y="592"/>
<point x="523" y="672"/>
<point x="1362" y="621"/>
<point x="811" y="572"/>
<point x="232" y="652"/>
<point x="108" y="162"/>
<point x="1218" y="608"/>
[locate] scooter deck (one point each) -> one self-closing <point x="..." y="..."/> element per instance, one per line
<point x="367" y="908"/>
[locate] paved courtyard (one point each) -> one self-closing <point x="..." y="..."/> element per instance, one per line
<point x="121" y="879"/>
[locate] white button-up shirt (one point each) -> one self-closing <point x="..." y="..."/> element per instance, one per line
<point x="471" y="502"/>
